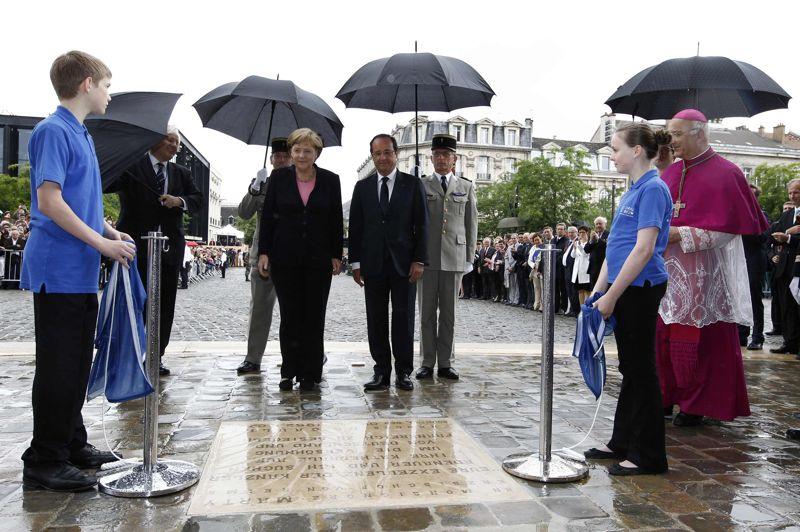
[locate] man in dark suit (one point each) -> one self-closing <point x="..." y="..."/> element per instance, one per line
<point x="11" y="246"/>
<point x="561" y="241"/>
<point x="154" y="194"/>
<point x="756" y="259"/>
<point x="786" y="232"/>
<point x="388" y="251"/>
<point x="485" y="270"/>
<point x="596" y="248"/>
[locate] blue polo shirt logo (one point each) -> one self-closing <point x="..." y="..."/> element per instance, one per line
<point x="627" y="210"/>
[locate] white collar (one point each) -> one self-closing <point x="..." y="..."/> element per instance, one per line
<point x="446" y="176"/>
<point x="391" y="176"/>
<point x="154" y="161"/>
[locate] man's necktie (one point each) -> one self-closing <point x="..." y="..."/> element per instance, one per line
<point x="444" y="183"/>
<point x="384" y="200"/>
<point x="161" y="177"/>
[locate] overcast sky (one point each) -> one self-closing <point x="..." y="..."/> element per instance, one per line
<point x="554" y="62"/>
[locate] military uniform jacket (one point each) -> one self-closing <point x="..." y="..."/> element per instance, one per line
<point x="252" y="204"/>
<point x="453" y="223"/>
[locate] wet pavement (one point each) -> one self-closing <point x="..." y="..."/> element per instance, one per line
<point x="723" y="476"/>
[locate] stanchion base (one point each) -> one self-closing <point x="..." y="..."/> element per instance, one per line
<point x="531" y="467"/>
<point x="169" y="476"/>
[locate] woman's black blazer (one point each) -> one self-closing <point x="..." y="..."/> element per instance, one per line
<point x="297" y="235"/>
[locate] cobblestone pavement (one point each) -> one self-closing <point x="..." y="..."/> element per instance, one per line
<point x="723" y="476"/>
<point x="216" y="309"/>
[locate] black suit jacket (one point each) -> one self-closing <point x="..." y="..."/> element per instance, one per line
<point x="141" y="211"/>
<point x="297" y="235"/>
<point x="562" y="243"/>
<point x="597" y="254"/>
<point x="401" y="233"/>
<point x="785" y="266"/>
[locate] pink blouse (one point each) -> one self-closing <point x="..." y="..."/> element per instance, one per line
<point x="305" y="188"/>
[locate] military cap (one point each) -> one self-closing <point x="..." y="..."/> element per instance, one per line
<point x="446" y="142"/>
<point x="279" y="144"/>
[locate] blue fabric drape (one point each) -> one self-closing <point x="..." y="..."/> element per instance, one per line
<point x="590" y="332"/>
<point x="118" y="367"/>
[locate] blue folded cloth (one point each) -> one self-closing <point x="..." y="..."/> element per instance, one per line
<point x="590" y="331"/>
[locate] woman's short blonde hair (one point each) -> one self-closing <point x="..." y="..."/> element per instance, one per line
<point x="302" y="135"/>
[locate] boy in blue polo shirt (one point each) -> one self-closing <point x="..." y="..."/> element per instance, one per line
<point x="61" y="267"/>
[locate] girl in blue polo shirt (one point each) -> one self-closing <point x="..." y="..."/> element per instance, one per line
<point x="634" y="280"/>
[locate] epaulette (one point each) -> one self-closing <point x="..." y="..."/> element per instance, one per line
<point x="464" y="178"/>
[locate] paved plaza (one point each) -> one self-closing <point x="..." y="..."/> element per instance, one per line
<point x="741" y="475"/>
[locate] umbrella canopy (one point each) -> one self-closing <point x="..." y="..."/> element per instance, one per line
<point x="588" y="348"/>
<point x="134" y="122"/>
<point x="257" y="109"/>
<point x="509" y="223"/>
<point x="416" y="82"/>
<point x="717" y="86"/>
<point x="118" y="367"/>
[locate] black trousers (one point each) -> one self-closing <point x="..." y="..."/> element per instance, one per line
<point x="756" y="297"/>
<point x="488" y="284"/>
<point x="790" y="317"/>
<point x="378" y="290"/>
<point x="560" y="292"/>
<point x="64" y="326"/>
<point x="467" y="285"/>
<point x="522" y="280"/>
<point x="572" y="296"/>
<point x="303" y="299"/>
<point x="184" y="271"/>
<point x="639" y="420"/>
<point x="169" y="291"/>
<point x="775" y="304"/>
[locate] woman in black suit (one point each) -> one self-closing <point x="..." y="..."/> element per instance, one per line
<point x="300" y="246"/>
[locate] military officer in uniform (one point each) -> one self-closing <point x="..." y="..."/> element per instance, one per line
<point x="262" y="291"/>
<point x="453" y="219"/>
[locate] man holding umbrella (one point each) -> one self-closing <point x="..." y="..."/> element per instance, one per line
<point x="453" y="214"/>
<point x="154" y="194"/>
<point x="262" y="291"/>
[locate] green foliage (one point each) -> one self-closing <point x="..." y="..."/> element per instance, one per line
<point x="602" y="207"/>
<point x="548" y="194"/>
<point x="111" y="206"/>
<point x="248" y="227"/>
<point x="15" y="190"/>
<point x="773" y="180"/>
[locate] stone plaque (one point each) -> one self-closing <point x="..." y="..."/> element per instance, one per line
<point x="314" y="465"/>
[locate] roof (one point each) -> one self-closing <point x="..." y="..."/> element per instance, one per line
<point x="539" y="142"/>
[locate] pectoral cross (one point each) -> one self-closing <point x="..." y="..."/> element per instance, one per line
<point x="676" y="208"/>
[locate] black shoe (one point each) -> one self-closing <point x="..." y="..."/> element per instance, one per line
<point x="378" y="382"/>
<point x="687" y="420"/>
<point x="57" y="477"/>
<point x="447" y="373"/>
<point x="307" y="385"/>
<point x="620" y="471"/>
<point x="403" y="382"/>
<point x="782" y="350"/>
<point x="248" y="367"/>
<point x="793" y="434"/>
<point x="286" y="384"/>
<point x="597" y="454"/>
<point x="90" y="457"/>
<point x="743" y="343"/>
<point x="163" y="370"/>
<point x="774" y="333"/>
<point x="755" y="346"/>
<point x="424" y="373"/>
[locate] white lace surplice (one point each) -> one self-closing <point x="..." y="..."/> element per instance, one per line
<point x="707" y="280"/>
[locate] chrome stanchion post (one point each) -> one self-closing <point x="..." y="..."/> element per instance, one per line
<point x="542" y="466"/>
<point x="153" y="477"/>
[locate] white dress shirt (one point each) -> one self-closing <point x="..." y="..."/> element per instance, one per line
<point x="390" y="183"/>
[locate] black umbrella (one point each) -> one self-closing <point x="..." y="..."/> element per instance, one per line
<point x="717" y="86"/>
<point x="414" y="82"/>
<point x="133" y="123"/>
<point x="256" y="108"/>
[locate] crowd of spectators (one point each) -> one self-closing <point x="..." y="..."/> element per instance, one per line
<point x="13" y="235"/>
<point x="509" y="269"/>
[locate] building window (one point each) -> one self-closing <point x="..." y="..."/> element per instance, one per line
<point x="508" y="165"/>
<point x="458" y="132"/>
<point x="23" y="159"/>
<point x="483" y="135"/>
<point x="605" y="163"/>
<point x="483" y="167"/>
<point x="747" y="171"/>
<point x="459" y="166"/>
<point x="421" y="131"/>
<point x="511" y="137"/>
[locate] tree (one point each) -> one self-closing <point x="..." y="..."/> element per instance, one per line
<point x="772" y="179"/>
<point x="494" y="204"/>
<point x="15" y="190"/>
<point x="248" y="227"/>
<point x="111" y="206"/>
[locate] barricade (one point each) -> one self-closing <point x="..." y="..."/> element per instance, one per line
<point x="10" y="267"/>
<point x="544" y="466"/>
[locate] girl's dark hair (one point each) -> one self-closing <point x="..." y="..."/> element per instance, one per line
<point x="641" y="134"/>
